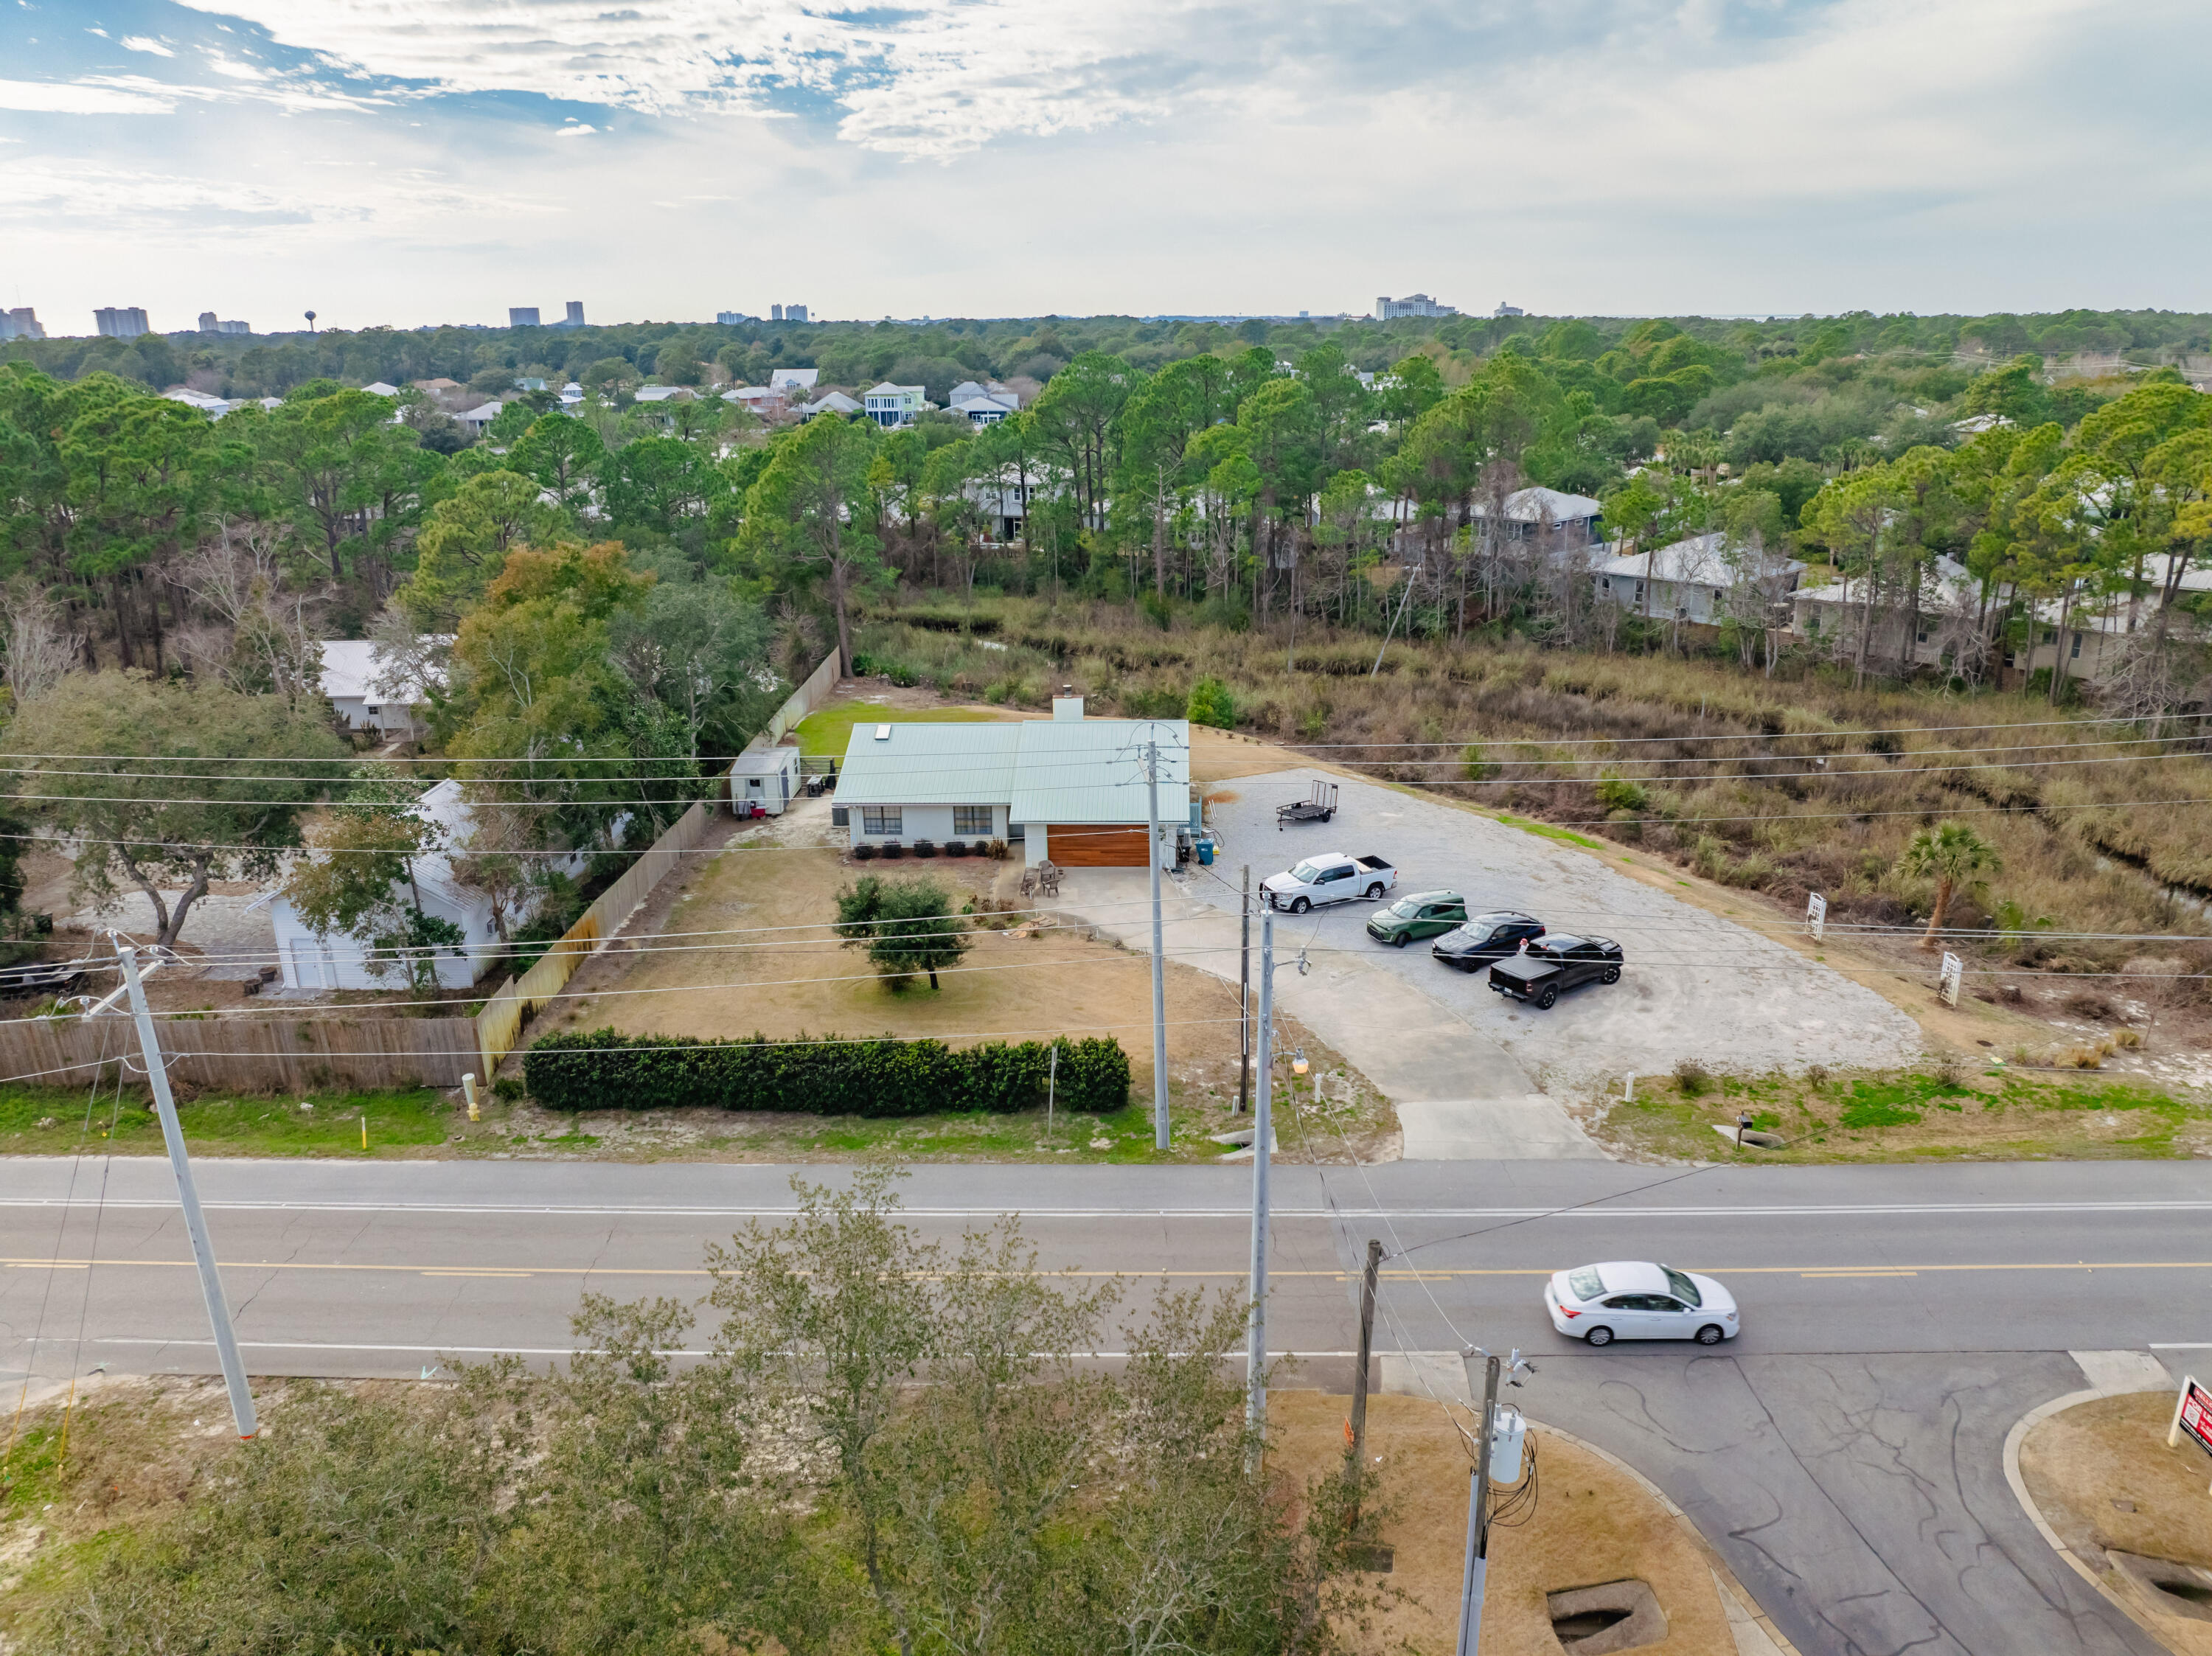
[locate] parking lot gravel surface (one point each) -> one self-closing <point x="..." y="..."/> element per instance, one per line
<point x="1696" y="985"/>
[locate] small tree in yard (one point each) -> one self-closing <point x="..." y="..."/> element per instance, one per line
<point x="908" y="926"/>
<point x="164" y="785"/>
<point x="362" y="880"/>
<point x="1953" y="856"/>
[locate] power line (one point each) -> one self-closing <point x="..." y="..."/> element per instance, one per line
<point x="1754" y="735"/>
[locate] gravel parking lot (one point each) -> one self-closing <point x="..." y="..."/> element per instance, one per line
<point x="1696" y="985"/>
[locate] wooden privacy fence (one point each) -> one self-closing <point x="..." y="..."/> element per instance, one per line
<point x="803" y="701"/>
<point x="500" y="1024"/>
<point x="254" y="1055"/>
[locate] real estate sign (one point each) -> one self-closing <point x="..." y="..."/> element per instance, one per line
<point x="2193" y="1415"/>
<point x="1816" y="915"/>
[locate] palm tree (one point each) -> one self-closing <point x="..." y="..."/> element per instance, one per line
<point x="1952" y="855"/>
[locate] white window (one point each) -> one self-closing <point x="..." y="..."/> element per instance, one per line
<point x="972" y="819"/>
<point x="881" y="819"/>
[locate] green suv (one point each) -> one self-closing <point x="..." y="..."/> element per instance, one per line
<point x="1424" y="914"/>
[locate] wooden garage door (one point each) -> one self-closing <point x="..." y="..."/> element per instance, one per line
<point x="1097" y="845"/>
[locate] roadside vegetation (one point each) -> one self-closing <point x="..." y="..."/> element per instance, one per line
<point x="1960" y="1111"/>
<point x="885" y="1450"/>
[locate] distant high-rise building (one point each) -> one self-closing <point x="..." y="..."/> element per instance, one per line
<point x="776" y="312"/>
<point x="209" y="323"/>
<point x="575" y="316"/>
<point x="21" y="323"/>
<point x="1412" y="305"/>
<point x="522" y="316"/>
<point x="734" y="318"/>
<point x="120" y="321"/>
<point x="1509" y="310"/>
<point x="795" y="314"/>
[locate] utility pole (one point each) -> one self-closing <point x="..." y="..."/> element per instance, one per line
<point x="1478" y="1510"/>
<point x="1359" y="1375"/>
<point x="1160" y="960"/>
<point x="1256" y="1344"/>
<point x="173" y="1133"/>
<point x="1244" y="1002"/>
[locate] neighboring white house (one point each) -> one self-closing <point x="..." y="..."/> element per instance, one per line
<point x="1068" y="788"/>
<point x="1532" y="512"/>
<point x="310" y="960"/>
<point x="986" y="405"/>
<point x="764" y="776"/>
<point x="831" y="402"/>
<point x="793" y="379"/>
<point x="664" y="393"/>
<point x="367" y="694"/>
<point x="478" y="419"/>
<point x="214" y="407"/>
<point x="378" y="388"/>
<point x="895" y="406"/>
<point x="1690" y="580"/>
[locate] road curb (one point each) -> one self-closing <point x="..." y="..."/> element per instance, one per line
<point x="2020" y="1428"/>
<point x="1754" y="1631"/>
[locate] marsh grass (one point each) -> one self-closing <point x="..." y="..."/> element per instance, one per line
<point x="1816" y="786"/>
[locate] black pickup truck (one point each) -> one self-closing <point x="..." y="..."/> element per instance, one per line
<point x="1553" y="963"/>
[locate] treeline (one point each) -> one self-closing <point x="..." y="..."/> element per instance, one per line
<point x="941" y="354"/>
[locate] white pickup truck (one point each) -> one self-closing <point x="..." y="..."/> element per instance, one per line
<point x="1332" y="878"/>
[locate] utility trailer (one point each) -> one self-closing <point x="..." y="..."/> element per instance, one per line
<point x="1317" y="808"/>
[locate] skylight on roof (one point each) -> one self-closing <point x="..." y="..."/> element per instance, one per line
<point x="883" y="732"/>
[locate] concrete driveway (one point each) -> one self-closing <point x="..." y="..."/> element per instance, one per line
<point x="1697" y="985"/>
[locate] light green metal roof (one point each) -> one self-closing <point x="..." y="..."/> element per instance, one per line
<point x="1042" y="770"/>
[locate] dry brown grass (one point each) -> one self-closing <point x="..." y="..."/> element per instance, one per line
<point x="1763" y="824"/>
<point x="1592" y="1524"/>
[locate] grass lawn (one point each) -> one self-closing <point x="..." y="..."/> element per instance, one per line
<point x="52" y="1121"/>
<point x="827" y="731"/>
<point x="1993" y="1114"/>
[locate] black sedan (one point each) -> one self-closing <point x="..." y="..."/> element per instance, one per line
<point x="1556" y="963"/>
<point x="1486" y="937"/>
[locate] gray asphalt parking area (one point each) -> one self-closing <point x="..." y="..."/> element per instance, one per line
<point x="1696" y="985"/>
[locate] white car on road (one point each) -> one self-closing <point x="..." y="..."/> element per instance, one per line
<point x="1634" y="1299"/>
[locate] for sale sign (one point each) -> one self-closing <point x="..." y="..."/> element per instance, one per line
<point x="2192" y="1416"/>
<point x="1816" y="916"/>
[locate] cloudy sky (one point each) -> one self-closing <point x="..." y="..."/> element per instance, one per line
<point x="415" y="162"/>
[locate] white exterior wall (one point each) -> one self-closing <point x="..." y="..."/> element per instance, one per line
<point x="340" y="962"/>
<point x="926" y="823"/>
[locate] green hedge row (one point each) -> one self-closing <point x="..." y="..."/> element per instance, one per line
<point x="606" y="1070"/>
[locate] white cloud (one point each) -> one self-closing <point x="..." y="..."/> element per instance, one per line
<point x="576" y="131"/>
<point x="71" y="98"/>
<point x="145" y="43"/>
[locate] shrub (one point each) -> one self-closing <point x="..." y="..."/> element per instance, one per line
<point x="924" y="848"/>
<point x="1692" y="1077"/>
<point x="1478" y="769"/>
<point x="893" y="850"/>
<point x="864" y="853"/>
<point x="955" y="847"/>
<point x="996" y="850"/>
<point x="1618" y="793"/>
<point x="606" y="1070"/>
<point x="2129" y="1039"/>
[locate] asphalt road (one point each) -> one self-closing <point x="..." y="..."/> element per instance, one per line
<point x="1842" y="1453"/>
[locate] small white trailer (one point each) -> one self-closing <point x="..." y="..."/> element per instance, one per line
<point x="764" y="781"/>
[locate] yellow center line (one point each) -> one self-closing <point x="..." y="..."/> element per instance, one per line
<point x="520" y="1271"/>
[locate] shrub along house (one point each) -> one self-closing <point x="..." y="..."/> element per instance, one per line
<point x="1068" y="789"/>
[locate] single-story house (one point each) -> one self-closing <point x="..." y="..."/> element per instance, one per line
<point x="764" y="776"/>
<point x="793" y="379"/>
<point x="478" y="419"/>
<point x="1068" y="789"/>
<point x="312" y="960"/>
<point x="1531" y="512"/>
<point x="1689" y="580"/>
<point x="367" y="694"/>
<point x="665" y="394"/>
<point x="379" y="388"/>
<point x="831" y="402"/>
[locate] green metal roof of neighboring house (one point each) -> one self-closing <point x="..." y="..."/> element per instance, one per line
<point x="1043" y="770"/>
<point x="929" y="765"/>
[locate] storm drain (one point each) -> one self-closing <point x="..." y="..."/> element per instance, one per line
<point x="2175" y="1588"/>
<point x="1612" y="1616"/>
